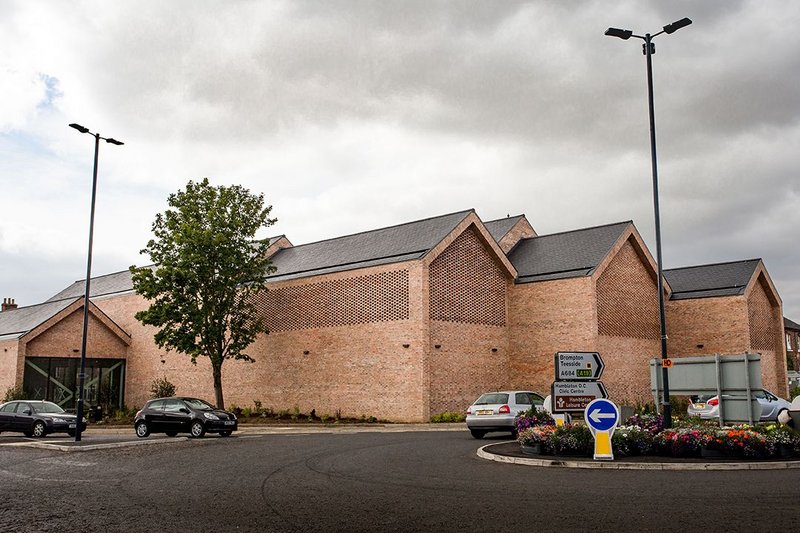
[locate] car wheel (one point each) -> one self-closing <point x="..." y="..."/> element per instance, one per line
<point x="477" y="433"/>
<point x="172" y="433"/>
<point x="225" y="433"/>
<point x="142" y="429"/>
<point x="39" y="429"/>
<point x="197" y="429"/>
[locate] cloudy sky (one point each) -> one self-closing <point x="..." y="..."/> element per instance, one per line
<point x="353" y="115"/>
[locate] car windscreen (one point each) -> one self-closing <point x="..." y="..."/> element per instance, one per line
<point x="47" y="407"/>
<point x="492" y="398"/>
<point x="200" y="405"/>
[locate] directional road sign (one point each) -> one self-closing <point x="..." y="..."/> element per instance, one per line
<point x="574" y="396"/>
<point x="602" y="416"/>
<point x="578" y="366"/>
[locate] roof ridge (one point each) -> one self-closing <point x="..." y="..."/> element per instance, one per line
<point x="713" y="264"/>
<point x="22" y="307"/>
<point x="581" y="229"/>
<point x="112" y="273"/>
<point x="383" y="228"/>
<point x="521" y="215"/>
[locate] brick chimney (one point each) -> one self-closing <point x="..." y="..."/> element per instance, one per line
<point x="8" y="304"/>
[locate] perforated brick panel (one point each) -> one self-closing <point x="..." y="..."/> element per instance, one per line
<point x="381" y="297"/>
<point x="627" y="298"/>
<point x="466" y="285"/>
<point x="763" y="318"/>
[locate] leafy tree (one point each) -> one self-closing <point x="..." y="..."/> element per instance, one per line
<point x="208" y="268"/>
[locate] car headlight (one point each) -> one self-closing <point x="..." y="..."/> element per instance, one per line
<point x="56" y="419"/>
<point x="211" y="416"/>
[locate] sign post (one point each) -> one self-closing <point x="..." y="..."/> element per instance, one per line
<point x="602" y="417"/>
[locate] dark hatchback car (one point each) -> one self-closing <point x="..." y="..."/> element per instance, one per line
<point x="37" y="418"/>
<point x="183" y="415"/>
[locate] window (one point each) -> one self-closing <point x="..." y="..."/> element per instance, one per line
<point x="173" y="406"/>
<point x="492" y="398"/>
<point x="157" y="405"/>
<point x="789" y="341"/>
<point x="8" y="408"/>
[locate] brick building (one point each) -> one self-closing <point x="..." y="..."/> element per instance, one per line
<point x="792" y="333"/>
<point x="401" y="322"/>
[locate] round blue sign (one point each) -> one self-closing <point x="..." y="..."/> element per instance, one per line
<point x="601" y="414"/>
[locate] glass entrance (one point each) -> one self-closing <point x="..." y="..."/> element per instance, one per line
<point x="56" y="379"/>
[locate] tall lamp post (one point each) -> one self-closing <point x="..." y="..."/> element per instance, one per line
<point x="81" y="374"/>
<point x="649" y="48"/>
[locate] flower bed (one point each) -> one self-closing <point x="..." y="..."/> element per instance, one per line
<point x="645" y="435"/>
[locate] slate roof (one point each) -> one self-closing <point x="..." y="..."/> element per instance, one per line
<point x="706" y="281"/>
<point x="564" y="255"/>
<point x="394" y="244"/>
<point x="101" y="285"/>
<point x="498" y="228"/>
<point x="15" y="323"/>
<point x="789" y="324"/>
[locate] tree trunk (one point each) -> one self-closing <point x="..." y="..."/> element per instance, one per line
<point x="217" y="369"/>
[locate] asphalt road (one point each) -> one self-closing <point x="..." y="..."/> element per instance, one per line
<point x="415" y="481"/>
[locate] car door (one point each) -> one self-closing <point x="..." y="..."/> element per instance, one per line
<point x="7" y="416"/>
<point x="177" y="416"/>
<point x="523" y="401"/>
<point x="154" y="415"/>
<point x="23" y="417"/>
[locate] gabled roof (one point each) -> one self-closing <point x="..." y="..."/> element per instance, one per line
<point x="564" y="255"/>
<point x="706" y="281"/>
<point x="498" y="228"/>
<point x="394" y="244"/>
<point x="15" y="323"/>
<point x="789" y="324"/>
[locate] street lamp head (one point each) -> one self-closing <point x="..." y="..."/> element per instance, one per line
<point x="675" y="26"/>
<point x="622" y="34"/>
<point x="114" y="141"/>
<point x="79" y="128"/>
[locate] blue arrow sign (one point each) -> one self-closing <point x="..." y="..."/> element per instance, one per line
<point x="601" y="414"/>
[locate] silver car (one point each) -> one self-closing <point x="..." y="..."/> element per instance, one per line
<point x="708" y="407"/>
<point x="495" y="411"/>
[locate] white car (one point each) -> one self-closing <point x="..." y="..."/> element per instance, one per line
<point x="771" y="406"/>
<point x="495" y="411"/>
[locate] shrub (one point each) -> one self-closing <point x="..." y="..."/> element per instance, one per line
<point x="448" y="416"/>
<point x="632" y="440"/>
<point x="650" y="422"/>
<point x="533" y="417"/>
<point x="247" y="412"/>
<point x="161" y="387"/>
<point x="572" y="439"/>
<point x="794" y="393"/>
<point x="541" y="435"/>
<point x="14" y="393"/>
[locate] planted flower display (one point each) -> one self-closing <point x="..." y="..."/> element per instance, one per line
<point x="532" y="418"/>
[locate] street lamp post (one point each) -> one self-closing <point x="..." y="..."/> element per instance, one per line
<point x="81" y="373"/>
<point x="648" y="48"/>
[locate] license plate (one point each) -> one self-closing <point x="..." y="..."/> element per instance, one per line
<point x="229" y="422"/>
<point x="485" y="412"/>
<point x="699" y="406"/>
<point x="72" y="426"/>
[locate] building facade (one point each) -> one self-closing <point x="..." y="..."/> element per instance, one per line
<point x="405" y="322"/>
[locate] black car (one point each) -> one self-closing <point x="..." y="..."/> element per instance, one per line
<point x="37" y="418"/>
<point x="183" y="415"/>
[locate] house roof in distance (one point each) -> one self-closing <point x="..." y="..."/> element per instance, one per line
<point x="564" y="255"/>
<point x="393" y="244"/>
<point x="706" y="281"/>
<point x="498" y="228"/>
<point x="790" y="324"/>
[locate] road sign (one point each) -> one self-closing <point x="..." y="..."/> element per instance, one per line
<point x="578" y="366"/>
<point x="574" y="396"/>
<point x="602" y="416"/>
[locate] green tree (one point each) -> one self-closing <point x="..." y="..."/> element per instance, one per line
<point x="208" y="267"/>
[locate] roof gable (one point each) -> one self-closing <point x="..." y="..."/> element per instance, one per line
<point x="500" y="227"/>
<point x="565" y="255"/>
<point x="789" y="324"/>
<point x="705" y="281"/>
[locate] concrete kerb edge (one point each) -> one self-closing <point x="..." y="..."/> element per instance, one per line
<point x="613" y="465"/>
